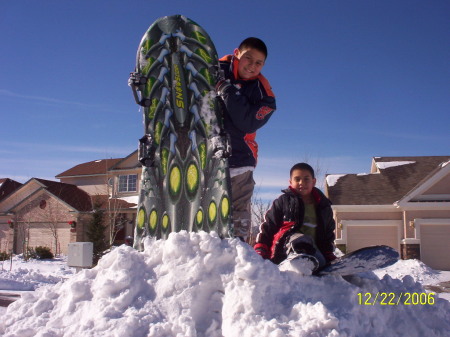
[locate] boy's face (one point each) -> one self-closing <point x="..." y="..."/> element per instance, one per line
<point x="302" y="181"/>
<point x="251" y="62"/>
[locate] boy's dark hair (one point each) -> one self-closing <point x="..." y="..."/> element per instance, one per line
<point x="302" y="166"/>
<point x="254" y="42"/>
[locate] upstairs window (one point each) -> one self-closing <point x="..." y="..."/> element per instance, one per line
<point x="128" y="183"/>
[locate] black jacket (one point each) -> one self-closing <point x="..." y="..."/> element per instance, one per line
<point x="285" y="217"/>
<point x="249" y="104"/>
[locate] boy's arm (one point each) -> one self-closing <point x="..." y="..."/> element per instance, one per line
<point x="330" y="226"/>
<point x="247" y="116"/>
<point x="268" y="229"/>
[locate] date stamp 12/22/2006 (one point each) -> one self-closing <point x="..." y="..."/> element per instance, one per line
<point x="385" y="298"/>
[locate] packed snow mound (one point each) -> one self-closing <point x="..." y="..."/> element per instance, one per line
<point x="418" y="270"/>
<point x="24" y="278"/>
<point x="195" y="284"/>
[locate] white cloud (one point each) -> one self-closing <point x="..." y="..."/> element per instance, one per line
<point x="46" y="99"/>
<point x="8" y="147"/>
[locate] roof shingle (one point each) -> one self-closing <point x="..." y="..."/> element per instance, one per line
<point x="90" y="168"/>
<point x="386" y="184"/>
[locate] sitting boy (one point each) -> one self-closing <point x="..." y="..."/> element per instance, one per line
<point x="300" y="221"/>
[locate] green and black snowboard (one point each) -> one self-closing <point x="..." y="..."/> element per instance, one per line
<point x="185" y="182"/>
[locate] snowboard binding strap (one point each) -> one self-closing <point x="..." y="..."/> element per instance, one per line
<point x="137" y="82"/>
<point x="221" y="145"/>
<point x="146" y="151"/>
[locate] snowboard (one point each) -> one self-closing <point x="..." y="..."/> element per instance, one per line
<point x="362" y="260"/>
<point x="185" y="181"/>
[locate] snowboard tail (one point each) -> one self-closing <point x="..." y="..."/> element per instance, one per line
<point x="362" y="260"/>
<point x="185" y="182"/>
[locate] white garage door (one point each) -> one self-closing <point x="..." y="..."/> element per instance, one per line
<point x="365" y="236"/>
<point x="434" y="245"/>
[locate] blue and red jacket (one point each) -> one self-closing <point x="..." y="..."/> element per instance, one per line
<point x="249" y="104"/>
<point x="285" y="218"/>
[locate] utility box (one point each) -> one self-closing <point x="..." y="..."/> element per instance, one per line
<point x="80" y="254"/>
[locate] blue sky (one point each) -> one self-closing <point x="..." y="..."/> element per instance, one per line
<point x="353" y="80"/>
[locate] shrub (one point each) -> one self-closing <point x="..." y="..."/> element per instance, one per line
<point x="4" y="256"/>
<point x="43" y="253"/>
<point x="30" y="254"/>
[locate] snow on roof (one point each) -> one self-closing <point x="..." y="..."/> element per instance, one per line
<point x="333" y="178"/>
<point x="134" y="199"/>
<point x="388" y="164"/>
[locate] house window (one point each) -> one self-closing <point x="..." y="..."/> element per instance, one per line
<point x="128" y="183"/>
<point x="43" y="204"/>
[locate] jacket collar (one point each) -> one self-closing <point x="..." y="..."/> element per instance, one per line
<point x="234" y="62"/>
<point x="316" y="193"/>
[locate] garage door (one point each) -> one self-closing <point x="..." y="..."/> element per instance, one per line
<point x="365" y="236"/>
<point x="434" y="243"/>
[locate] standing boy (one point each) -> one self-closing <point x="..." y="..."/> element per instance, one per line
<point x="249" y="103"/>
<point x="300" y="221"/>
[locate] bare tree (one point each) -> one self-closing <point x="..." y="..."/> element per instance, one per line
<point x="115" y="220"/>
<point x="51" y="215"/>
<point x="259" y="210"/>
<point x="22" y="225"/>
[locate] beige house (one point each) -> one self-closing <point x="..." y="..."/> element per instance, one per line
<point x="404" y="202"/>
<point x="53" y="214"/>
<point x="40" y="213"/>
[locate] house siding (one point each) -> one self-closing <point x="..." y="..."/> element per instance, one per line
<point x="96" y="185"/>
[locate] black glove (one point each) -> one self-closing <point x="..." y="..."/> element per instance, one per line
<point x="222" y="86"/>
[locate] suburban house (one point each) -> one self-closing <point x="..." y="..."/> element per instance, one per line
<point x="404" y="202"/>
<point x="52" y="214"/>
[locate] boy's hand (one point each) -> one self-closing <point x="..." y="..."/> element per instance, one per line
<point x="222" y="86"/>
<point x="263" y="250"/>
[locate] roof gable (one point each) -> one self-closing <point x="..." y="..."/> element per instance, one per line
<point x="129" y="162"/>
<point x="71" y="195"/>
<point x="102" y="166"/>
<point x="391" y="178"/>
<point x="433" y="188"/>
<point x="8" y="186"/>
<point x="95" y="167"/>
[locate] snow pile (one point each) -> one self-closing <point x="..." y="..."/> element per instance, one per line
<point x="24" y="277"/>
<point x="418" y="270"/>
<point x="195" y="284"/>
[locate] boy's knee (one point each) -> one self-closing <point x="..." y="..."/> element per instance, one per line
<point x="301" y="243"/>
<point x="241" y="228"/>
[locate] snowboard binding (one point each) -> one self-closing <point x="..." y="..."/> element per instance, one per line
<point x="137" y="81"/>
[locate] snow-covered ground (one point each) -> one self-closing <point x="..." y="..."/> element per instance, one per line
<point x="194" y="284"/>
